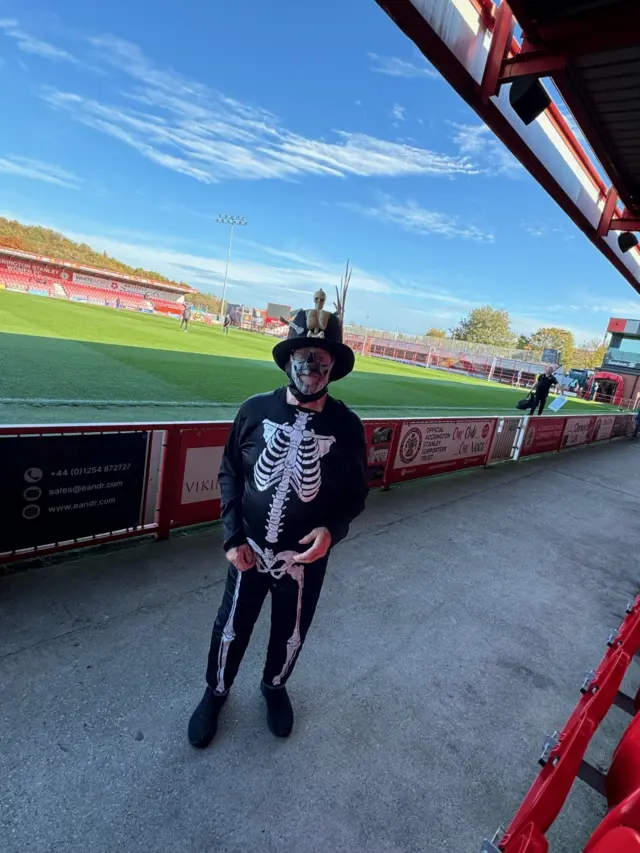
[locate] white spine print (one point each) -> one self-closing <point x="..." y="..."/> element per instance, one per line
<point x="291" y="459"/>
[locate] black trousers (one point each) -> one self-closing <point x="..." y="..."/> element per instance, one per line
<point x="294" y="598"/>
<point x="539" y="403"/>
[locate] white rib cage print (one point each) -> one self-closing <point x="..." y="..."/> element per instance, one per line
<point x="290" y="461"/>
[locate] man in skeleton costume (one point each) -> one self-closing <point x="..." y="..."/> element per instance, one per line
<point x="293" y="477"/>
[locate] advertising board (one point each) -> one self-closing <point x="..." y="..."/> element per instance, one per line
<point x="439" y="445"/>
<point x="543" y="435"/>
<point x="33" y="269"/>
<point x="62" y="487"/>
<point x="550" y="356"/>
<point x="379" y="436"/>
<point x="198" y="498"/>
<point x="621" y="425"/>
<point x="275" y="311"/>
<point x="603" y="428"/>
<point x="576" y="432"/>
<point x="119" y="286"/>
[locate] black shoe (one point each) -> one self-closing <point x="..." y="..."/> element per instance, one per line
<point x="279" y="710"/>
<point x="203" y="724"/>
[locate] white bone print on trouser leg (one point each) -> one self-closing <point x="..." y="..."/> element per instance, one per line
<point x="294" y="642"/>
<point x="228" y="636"/>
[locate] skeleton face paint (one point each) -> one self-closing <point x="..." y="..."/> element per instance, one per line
<point x="310" y="369"/>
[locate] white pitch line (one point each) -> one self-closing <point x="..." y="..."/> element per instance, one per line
<point x="46" y="401"/>
<point x="201" y="404"/>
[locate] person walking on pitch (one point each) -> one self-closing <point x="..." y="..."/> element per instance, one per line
<point x="541" y="389"/>
<point x="186" y="316"/>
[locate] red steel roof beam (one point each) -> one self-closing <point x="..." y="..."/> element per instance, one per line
<point x="537" y="63"/>
<point x="410" y="21"/>
<point x="607" y="212"/>
<point x="625" y="223"/>
<point x="498" y="49"/>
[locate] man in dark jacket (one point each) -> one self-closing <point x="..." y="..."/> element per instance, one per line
<point x="293" y="477"/>
<point x="541" y="390"/>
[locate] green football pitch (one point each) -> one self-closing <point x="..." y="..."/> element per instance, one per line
<point x="65" y="362"/>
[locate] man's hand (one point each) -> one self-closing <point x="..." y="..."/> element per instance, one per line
<point x="320" y="541"/>
<point x="242" y="557"/>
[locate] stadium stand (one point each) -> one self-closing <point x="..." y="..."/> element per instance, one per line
<point x="28" y="284"/>
<point x="28" y="273"/>
<point x="104" y="296"/>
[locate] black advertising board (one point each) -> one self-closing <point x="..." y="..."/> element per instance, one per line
<point x="60" y="487"/>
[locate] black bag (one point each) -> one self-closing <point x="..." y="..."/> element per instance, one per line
<point x="527" y="403"/>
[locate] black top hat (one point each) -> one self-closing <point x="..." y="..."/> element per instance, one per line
<point x="331" y="342"/>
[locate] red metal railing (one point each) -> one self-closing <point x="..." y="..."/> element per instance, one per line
<point x="182" y="460"/>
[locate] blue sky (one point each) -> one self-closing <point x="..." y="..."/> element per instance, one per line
<point x="131" y="125"/>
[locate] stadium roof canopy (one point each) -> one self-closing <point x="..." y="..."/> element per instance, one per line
<point x="590" y="49"/>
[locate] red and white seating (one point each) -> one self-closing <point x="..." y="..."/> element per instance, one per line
<point x="104" y="295"/>
<point x="27" y="283"/>
<point x="87" y="293"/>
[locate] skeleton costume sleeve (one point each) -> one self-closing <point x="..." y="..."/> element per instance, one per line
<point x="231" y="480"/>
<point x="286" y="470"/>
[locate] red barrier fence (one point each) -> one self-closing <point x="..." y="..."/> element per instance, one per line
<point x="563" y="756"/>
<point x="73" y="486"/>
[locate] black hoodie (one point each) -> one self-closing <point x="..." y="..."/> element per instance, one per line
<point x="287" y="469"/>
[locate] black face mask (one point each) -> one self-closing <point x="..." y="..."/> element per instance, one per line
<point x="306" y="398"/>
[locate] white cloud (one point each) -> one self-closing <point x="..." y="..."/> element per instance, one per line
<point x="392" y="66"/>
<point x="479" y="142"/>
<point x="398" y="111"/>
<point x="527" y="324"/>
<point x="545" y="229"/>
<point x="410" y="216"/>
<point x="254" y="277"/>
<point x="180" y="209"/>
<point x="184" y="126"/>
<point x="299" y="277"/>
<point x="33" y="45"/>
<point x="629" y="309"/>
<point x="24" y="167"/>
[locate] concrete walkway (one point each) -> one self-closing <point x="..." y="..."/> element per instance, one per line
<point x="455" y="627"/>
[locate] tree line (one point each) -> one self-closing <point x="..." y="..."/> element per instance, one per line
<point x="492" y="326"/>
<point x="43" y="241"/>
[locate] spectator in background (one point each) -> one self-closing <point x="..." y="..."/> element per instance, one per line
<point x="186" y="316"/>
<point x="541" y="390"/>
<point x="225" y="324"/>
